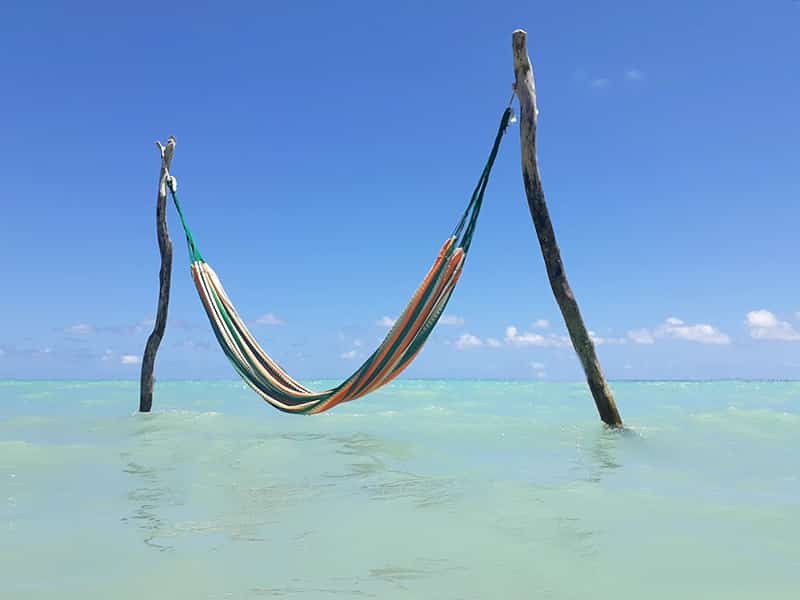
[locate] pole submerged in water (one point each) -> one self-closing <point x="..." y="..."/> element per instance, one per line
<point x="164" y="277"/>
<point x="525" y="89"/>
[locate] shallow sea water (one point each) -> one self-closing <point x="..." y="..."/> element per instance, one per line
<point x="426" y="489"/>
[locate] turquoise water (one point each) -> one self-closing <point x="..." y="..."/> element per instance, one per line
<point x="426" y="489"/>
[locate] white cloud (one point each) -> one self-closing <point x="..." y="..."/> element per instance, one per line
<point x="528" y="338"/>
<point x="600" y="83"/>
<point x="764" y="325"/>
<point x="349" y="355"/>
<point x="467" y="341"/>
<point x="129" y="359"/>
<point x="539" y="370"/>
<point x="386" y="321"/>
<point x="701" y="333"/>
<point x="451" y="320"/>
<point x="761" y="319"/>
<point x="358" y="343"/>
<point x="541" y="324"/>
<point x="674" y="328"/>
<point x="598" y="340"/>
<point x="493" y="343"/>
<point x="641" y="336"/>
<point x="633" y="75"/>
<point x="513" y="336"/>
<point x="269" y="319"/>
<point x="80" y="329"/>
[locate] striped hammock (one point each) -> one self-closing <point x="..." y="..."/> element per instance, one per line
<point x="401" y="345"/>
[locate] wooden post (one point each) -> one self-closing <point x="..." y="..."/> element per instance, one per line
<point x="584" y="347"/>
<point x="164" y="278"/>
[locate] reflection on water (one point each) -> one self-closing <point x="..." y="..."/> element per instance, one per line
<point x="380" y="480"/>
<point x="361" y="444"/>
<point x="298" y="589"/>
<point x="149" y="495"/>
<point x="526" y="496"/>
<point x="255" y="482"/>
<point x="604" y="452"/>
<point x="360" y="470"/>
<point x="423" y="490"/>
<point x="303" y="436"/>
<point x="599" y="456"/>
<point x="572" y="533"/>
<point x="401" y="576"/>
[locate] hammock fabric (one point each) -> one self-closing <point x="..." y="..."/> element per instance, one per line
<point x="401" y="345"/>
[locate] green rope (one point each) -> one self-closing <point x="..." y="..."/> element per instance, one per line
<point x="475" y="203"/>
<point x="194" y="253"/>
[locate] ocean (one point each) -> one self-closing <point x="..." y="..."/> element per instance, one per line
<point x="426" y="489"/>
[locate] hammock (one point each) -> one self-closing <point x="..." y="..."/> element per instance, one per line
<point x="401" y="345"/>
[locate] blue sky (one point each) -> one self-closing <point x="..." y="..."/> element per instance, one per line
<point x="326" y="149"/>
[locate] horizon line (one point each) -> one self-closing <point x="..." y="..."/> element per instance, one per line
<point x="424" y="379"/>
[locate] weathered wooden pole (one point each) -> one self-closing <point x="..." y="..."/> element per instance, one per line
<point x="584" y="347"/>
<point x="164" y="278"/>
